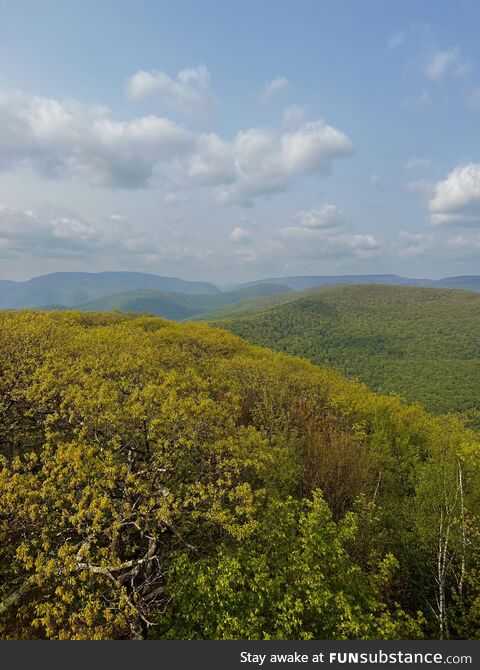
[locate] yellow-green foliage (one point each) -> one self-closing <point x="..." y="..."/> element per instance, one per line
<point x="165" y="480"/>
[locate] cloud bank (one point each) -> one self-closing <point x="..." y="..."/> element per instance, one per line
<point x="68" y="139"/>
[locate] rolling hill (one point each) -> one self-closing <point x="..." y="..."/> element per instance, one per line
<point x="176" y="306"/>
<point x="422" y="343"/>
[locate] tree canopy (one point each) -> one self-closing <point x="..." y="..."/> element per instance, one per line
<point x="172" y="481"/>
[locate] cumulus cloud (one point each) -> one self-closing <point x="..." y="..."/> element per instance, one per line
<point x="456" y="199"/>
<point x="259" y="162"/>
<point x="449" y="62"/>
<point x="67" y="138"/>
<point x="273" y="88"/>
<point x="241" y="235"/>
<point x="214" y="162"/>
<point x="325" y="216"/>
<point x="189" y="93"/>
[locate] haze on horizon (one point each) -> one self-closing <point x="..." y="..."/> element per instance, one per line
<point x="226" y="141"/>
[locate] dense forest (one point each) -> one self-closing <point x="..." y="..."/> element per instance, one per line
<point x="422" y="343"/>
<point x="165" y="480"/>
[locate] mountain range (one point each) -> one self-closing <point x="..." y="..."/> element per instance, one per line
<point x="75" y="288"/>
<point x="78" y="289"/>
<point x="300" y="283"/>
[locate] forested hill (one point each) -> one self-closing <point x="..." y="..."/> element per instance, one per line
<point x="169" y="480"/>
<point x="422" y="343"/>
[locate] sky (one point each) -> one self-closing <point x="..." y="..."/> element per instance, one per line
<point x="227" y="141"/>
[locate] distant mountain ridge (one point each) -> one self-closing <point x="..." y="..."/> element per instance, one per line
<point x="74" y="288"/>
<point x="302" y="282"/>
<point x="71" y="289"/>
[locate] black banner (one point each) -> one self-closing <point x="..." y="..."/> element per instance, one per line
<point x="226" y="655"/>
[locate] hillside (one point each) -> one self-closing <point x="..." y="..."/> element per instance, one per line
<point x="169" y="480"/>
<point x="249" y="307"/>
<point x="73" y="288"/>
<point x="422" y="343"/>
<point x="176" y="306"/>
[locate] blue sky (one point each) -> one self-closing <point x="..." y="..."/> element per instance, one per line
<point x="229" y="141"/>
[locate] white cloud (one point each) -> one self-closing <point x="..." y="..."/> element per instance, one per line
<point x="214" y="162"/>
<point x="417" y="164"/>
<point x="67" y="138"/>
<point x="273" y="88"/>
<point x="312" y="147"/>
<point x="449" y="62"/>
<point x="189" y="92"/>
<point x="376" y="181"/>
<point x="258" y="162"/>
<point x="396" y="40"/>
<point x="457" y="198"/>
<point x="325" y="216"/>
<point x="241" y="235"/>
